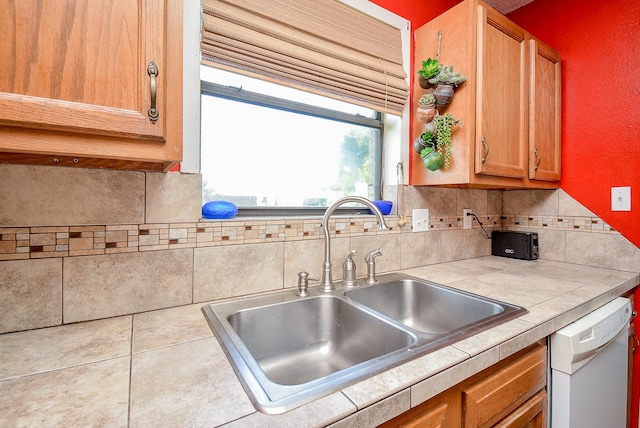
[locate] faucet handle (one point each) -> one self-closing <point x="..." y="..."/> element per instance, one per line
<point x="370" y="258"/>
<point x="371" y="255"/>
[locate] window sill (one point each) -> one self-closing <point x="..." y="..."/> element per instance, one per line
<point x="283" y="217"/>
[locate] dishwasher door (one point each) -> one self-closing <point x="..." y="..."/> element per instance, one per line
<point x="589" y="369"/>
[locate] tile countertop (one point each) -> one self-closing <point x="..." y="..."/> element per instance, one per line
<point x="165" y="368"/>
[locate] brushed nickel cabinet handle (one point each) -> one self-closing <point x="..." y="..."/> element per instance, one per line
<point x="538" y="158"/>
<point x="152" y="70"/>
<point x="486" y="150"/>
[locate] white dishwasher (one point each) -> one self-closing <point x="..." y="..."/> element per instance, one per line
<point x="589" y="366"/>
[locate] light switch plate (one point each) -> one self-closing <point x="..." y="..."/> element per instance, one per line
<point x="420" y="220"/>
<point x="621" y="198"/>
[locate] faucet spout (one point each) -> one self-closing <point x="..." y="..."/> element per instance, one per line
<point x="326" y="283"/>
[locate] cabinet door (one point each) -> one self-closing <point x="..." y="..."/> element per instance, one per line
<point x="81" y="66"/>
<point x="532" y="414"/>
<point x="501" y="103"/>
<point x="493" y="398"/>
<point x="544" y="112"/>
<point x="442" y="411"/>
<point x="433" y="418"/>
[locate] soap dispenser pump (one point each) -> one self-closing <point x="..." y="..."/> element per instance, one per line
<point x="349" y="271"/>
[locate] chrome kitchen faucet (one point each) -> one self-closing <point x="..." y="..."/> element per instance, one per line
<point x="326" y="283"/>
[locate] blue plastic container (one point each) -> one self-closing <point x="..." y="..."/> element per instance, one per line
<point x="219" y="210"/>
<point x="383" y="206"/>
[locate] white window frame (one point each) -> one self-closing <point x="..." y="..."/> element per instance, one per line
<point x="396" y="146"/>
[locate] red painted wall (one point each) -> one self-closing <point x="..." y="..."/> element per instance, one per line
<point x="601" y="116"/>
<point x="419" y="12"/>
<point x="600" y="54"/>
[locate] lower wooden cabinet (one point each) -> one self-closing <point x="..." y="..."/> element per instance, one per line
<point x="531" y="414"/>
<point x="509" y="394"/>
<point x="441" y="411"/>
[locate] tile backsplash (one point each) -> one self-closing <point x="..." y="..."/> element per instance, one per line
<point x="78" y="244"/>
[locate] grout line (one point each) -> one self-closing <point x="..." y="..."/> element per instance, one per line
<point x="130" y="372"/>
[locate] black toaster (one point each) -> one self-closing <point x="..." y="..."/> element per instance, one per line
<point x="516" y="245"/>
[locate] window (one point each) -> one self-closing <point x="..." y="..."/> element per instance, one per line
<point x="265" y="145"/>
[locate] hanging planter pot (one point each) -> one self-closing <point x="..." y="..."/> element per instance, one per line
<point x="428" y="70"/>
<point x="446" y="81"/>
<point x="426" y="108"/>
<point x="424" y="83"/>
<point x="418" y="145"/>
<point x="425" y="113"/>
<point x="432" y="160"/>
<point x="443" y="94"/>
<point x="425" y="140"/>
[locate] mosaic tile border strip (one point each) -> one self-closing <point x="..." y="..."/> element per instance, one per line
<point x="581" y="224"/>
<point x="70" y="241"/>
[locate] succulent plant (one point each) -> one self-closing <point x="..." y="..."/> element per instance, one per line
<point x="427" y="99"/>
<point x="429" y="68"/>
<point x="445" y="123"/>
<point x="430" y="154"/>
<point x="428" y="138"/>
<point x="446" y="76"/>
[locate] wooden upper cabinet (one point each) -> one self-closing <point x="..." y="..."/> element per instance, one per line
<point x="509" y="106"/>
<point x="501" y="103"/>
<point x="544" y="112"/>
<point x="80" y="78"/>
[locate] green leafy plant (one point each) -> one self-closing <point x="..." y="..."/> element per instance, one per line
<point x="428" y="139"/>
<point x="426" y="151"/>
<point x="446" y="76"/>
<point x="429" y="68"/>
<point x="431" y="157"/>
<point x="445" y="123"/>
<point x="427" y="99"/>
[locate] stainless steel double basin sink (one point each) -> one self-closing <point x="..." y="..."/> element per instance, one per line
<point x="288" y="350"/>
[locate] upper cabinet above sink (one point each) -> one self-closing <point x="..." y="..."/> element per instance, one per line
<point x="509" y="105"/>
<point x="93" y="84"/>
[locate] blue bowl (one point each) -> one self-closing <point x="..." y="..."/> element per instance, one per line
<point x="219" y="209"/>
<point x="383" y="206"/>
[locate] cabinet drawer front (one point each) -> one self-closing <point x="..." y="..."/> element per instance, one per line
<point x="433" y="418"/>
<point x="491" y="399"/>
<point x="532" y="414"/>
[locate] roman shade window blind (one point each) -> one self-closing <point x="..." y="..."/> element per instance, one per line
<point x="322" y="46"/>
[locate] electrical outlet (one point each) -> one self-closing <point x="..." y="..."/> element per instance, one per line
<point x="621" y="198"/>
<point x="420" y="220"/>
<point x="466" y="219"/>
